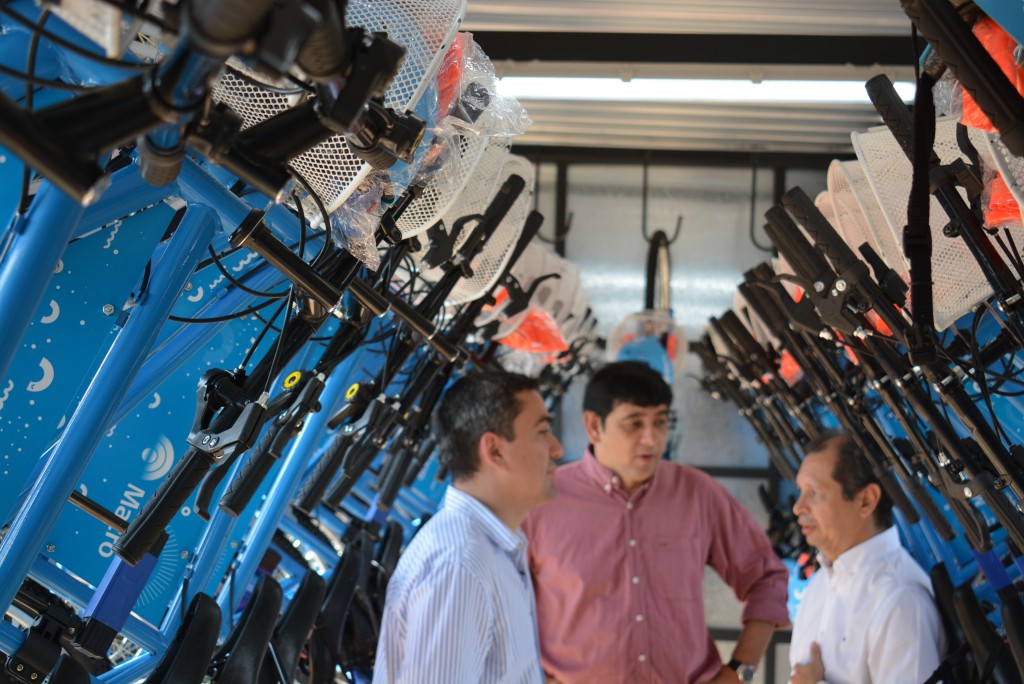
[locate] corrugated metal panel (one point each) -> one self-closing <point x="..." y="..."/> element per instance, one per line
<point x="695" y="126"/>
<point x="757" y="17"/>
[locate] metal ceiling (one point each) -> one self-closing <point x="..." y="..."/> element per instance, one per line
<point x="749" y="39"/>
<point x="777" y="17"/>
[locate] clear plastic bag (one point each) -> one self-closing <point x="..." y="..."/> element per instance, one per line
<point x="354" y="223"/>
<point x="480" y="109"/>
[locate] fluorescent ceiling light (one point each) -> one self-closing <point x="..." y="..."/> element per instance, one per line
<point x="690" y="90"/>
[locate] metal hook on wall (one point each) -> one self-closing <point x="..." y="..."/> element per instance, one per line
<point x="643" y="205"/>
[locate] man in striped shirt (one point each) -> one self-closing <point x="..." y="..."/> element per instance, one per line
<point x="460" y="607"/>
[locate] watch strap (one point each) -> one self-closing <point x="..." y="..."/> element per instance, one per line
<point x="745" y="671"/>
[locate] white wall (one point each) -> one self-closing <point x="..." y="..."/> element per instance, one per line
<point x="708" y="261"/>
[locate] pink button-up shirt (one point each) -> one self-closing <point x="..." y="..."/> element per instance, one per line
<point x="618" y="578"/>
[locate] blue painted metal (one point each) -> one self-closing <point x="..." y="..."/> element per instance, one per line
<point x="45" y="383"/>
<point x="119" y="589"/>
<point x="183" y="340"/>
<point x="289" y="478"/>
<point x="67" y="462"/>
<point x="1006" y="14"/>
<point x="28" y="258"/>
<point x="11" y="638"/>
<point x="993" y="568"/>
<point x="199" y="186"/>
<point x="127" y="194"/>
<point x="77" y="592"/>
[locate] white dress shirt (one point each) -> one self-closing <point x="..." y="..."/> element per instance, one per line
<point x="872" y="613"/>
<point x="460" y="607"/>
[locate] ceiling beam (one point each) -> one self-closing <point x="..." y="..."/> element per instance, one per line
<point x="651" y="48"/>
<point x="591" y="155"/>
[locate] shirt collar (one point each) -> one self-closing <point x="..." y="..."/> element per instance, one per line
<point x="607" y="480"/>
<point x="865" y="553"/>
<point x="510" y="541"/>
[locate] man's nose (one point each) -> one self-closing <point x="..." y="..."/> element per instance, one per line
<point x="798" y="505"/>
<point x="649" y="435"/>
<point x="556" y="449"/>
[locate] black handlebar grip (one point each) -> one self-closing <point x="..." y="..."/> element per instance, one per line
<point x="389" y="485"/>
<point x="325" y="51"/>
<point x="323" y="472"/>
<point x="761" y="303"/>
<point x="723" y="335"/>
<point x="362" y="459"/>
<point x="227" y="21"/>
<point x="887" y="478"/>
<point x="977" y="72"/>
<point x="423" y="453"/>
<point x="894" y="113"/>
<point x="495" y="213"/>
<point x="832" y="245"/>
<point x="242" y="488"/>
<point x="746" y="342"/>
<point x="806" y="261"/>
<point x="161" y="508"/>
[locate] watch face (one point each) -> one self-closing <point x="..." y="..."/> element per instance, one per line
<point x="746" y="673"/>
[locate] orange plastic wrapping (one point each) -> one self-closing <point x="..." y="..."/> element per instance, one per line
<point x="537" y="334"/>
<point x="1000" y="45"/>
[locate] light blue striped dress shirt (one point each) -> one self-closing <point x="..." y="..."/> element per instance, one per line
<point x="460" y="607"/>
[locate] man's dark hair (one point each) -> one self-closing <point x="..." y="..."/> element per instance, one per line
<point x="625" y="382"/>
<point x="475" y="404"/>
<point x="853" y="472"/>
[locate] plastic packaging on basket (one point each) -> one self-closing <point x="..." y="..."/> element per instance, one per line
<point x="468" y="104"/>
<point x="354" y="223"/>
<point x="1000" y="207"/>
<point x="947" y="94"/>
<point x="538" y="333"/>
<point x="653" y="337"/>
<point x="479" y="108"/>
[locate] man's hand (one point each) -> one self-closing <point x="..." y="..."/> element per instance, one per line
<point x="810" y="672"/>
<point x="726" y="675"/>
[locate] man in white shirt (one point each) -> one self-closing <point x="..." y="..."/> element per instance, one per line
<point x="460" y="606"/>
<point x="867" y="616"/>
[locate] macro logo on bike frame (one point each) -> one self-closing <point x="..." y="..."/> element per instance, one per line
<point x="159" y="459"/>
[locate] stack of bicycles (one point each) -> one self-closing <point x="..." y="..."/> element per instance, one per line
<point x="894" y="313"/>
<point x="249" y="246"/>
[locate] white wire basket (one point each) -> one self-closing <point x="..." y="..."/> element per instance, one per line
<point x="959" y="284"/>
<point x="849" y="182"/>
<point x="441" y="193"/>
<point x="424" y="27"/>
<point x="489" y="263"/>
<point x="554" y="295"/>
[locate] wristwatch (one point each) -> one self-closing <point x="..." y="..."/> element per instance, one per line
<point x="744" y="671"/>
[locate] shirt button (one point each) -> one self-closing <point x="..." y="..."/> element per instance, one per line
<point x="642" y="658"/>
<point x="632" y="542"/>
<point x="629" y="506"/>
<point x="636" y="580"/>
<point x="615" y="479"/>
<point x="639" y="618"/>
<point x="607" y="488"/>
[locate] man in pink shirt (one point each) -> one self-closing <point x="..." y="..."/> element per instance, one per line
<point x="618" y="556"/>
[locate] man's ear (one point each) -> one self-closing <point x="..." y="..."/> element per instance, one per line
<point x="489" y="450"/>
<point x="593" y="425"/>
<point x="868" y="499"/>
